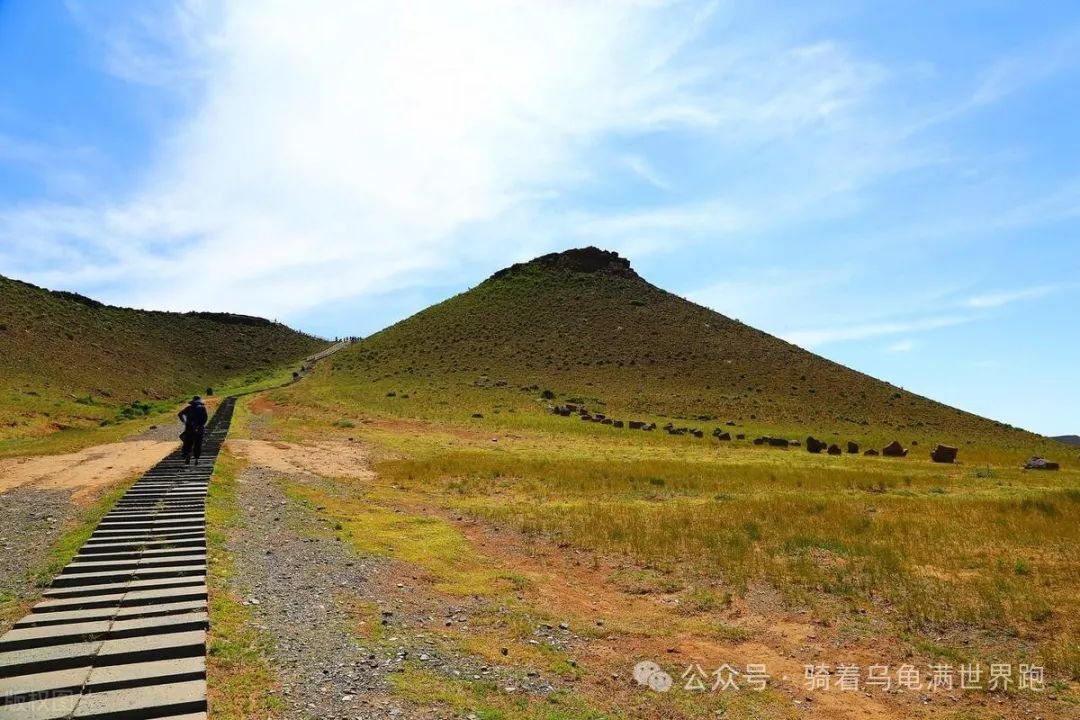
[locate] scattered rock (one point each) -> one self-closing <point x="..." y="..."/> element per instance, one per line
<point x="943" y="454"/>
<point x="814" y="445"/>
<point x="853" y="447"/>
<point x="834" y="449"/>
<point x="894" y="449"/>
<point x="1038" y="463"/>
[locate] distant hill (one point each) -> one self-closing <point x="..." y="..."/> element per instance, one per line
<point x="1073" y="440"/>
<point x="583" y="323"/>
<point x="69" y="360"/>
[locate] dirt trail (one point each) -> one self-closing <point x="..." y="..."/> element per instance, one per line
<point x="85" y="472"/>
<point x="325" y="459"/>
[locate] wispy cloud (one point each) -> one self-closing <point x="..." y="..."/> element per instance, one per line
<point x="828" y="335"/>
<point x="340" y="148"/>
<point x="998" y="299"/>
<point x="644" y="170"/>
<point x="901" y="346"/>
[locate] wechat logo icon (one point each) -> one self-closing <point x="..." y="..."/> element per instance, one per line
<point x="649" y="673"/>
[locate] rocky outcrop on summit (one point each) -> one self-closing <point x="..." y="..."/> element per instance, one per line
<point x="580" y="260"/>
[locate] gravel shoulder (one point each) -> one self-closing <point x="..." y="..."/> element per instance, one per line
<point x="297" y="583"/>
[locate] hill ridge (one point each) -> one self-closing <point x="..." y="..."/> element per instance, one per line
<point x="72" y="361"/>
<point x="584" y="323"/>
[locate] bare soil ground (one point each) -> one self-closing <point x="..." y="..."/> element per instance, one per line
<point x="85" y="472"/>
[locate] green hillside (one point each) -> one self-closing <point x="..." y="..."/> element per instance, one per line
<point x="71" y="362"/>
<point x="585" y="326"/>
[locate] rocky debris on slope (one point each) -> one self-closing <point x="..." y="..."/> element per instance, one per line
<point x="944" y="454"/>
<point x="1038" y="463"/>
<point x="941" y="453"/>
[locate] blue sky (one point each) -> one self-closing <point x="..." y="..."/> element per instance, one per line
<point x="895" y="186"/>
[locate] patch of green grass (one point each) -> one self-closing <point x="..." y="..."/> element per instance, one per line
<point x="240" y="679"/>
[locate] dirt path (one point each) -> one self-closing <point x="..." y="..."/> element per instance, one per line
<point x="85" y="472"/>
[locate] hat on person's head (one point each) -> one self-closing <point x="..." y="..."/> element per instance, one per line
<point x="196" y="400"/>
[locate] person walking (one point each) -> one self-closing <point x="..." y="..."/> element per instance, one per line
<point x="194" y="417"/>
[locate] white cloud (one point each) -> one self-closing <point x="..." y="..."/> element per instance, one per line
<point x="993" y="300"/>
<point x="644" y="170"/>
<point x="825" y="336"/>
<point x="337" y="148"/>
<point x="901" y="346"/>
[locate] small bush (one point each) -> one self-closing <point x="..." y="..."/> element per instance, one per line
<point x="345" y="424"/>
<point x="548" y="395"/>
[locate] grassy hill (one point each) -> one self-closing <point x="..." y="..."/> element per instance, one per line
<point x="72" y="362"/>
<point x="585" y="326"/>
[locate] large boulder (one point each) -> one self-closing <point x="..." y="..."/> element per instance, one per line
<point x="760" y="441"/>
<point x="853" y="447"/>
<point x="894" y="449"/>
<point x="778" y="442"/>
<point x="834" y="449"/>
<point x="697" y="433"/>
<point x="637" y="424"/>
<point x="1038" y="463"/>
<point x="814" y="445"/>
<point x="871" y="453"/>
<point x="617" y="423"/>
<point x="740" y="436"/>
<point x="723" y="436"/>
<point x="944" y="454"/>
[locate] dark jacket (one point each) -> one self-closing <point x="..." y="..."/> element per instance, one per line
<point x="194" y="418"/>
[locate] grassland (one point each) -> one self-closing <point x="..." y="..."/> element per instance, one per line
<point x="891" y="558"/>
<point x="73" y="365"/>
